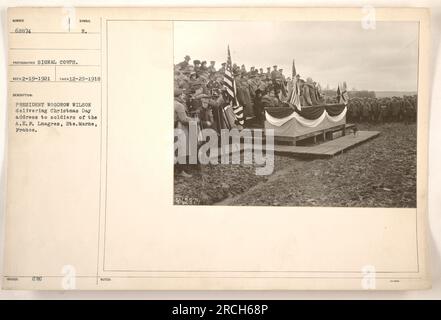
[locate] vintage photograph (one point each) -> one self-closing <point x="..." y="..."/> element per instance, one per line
<point x="315" y="121"/>
<point x="295" y="113"/>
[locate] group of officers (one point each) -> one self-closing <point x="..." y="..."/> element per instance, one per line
<point x="382" y="110"/>
<point x="256" y="89"/>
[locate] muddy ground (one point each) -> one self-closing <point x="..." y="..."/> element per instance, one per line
<point x="378" y="173"/>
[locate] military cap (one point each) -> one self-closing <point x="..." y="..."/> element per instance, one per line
<point x="187" y="57"/>
<point x="178" y="92"/>
<point x="196" y="62"/>
<point x="201" y="96"/>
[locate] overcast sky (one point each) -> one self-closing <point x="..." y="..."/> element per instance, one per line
<point x="384" y="59"/>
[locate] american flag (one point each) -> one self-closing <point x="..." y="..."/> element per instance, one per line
<point x="230" y="85"/>
<point x="295" y="94"/>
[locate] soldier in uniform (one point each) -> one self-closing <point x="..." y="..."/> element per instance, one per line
<point x="193" y="80"/>
<point x="396" y="109"/>
<point x="205" y="113"/>
<point x="203" y="72"/>
<point x="243" y="95"/>
<point x="198" y="92"/>
<point x="375" y="109"/>
<point x="184" y="64"/>
<point x="366" y="111"/>
<point x="214" y="86"/>
<point x="196" y="66"/>
<point x="384" y="112"/>
<point x="282" y="75"/>
<point x="212" y="68"/>
<point x="258" y="107"/>
<point x="261" y="77"/>
<point x="204" y="66"/>
<point x="253" y="83"/>
<point x="222" y="69"/>
<point x="177" y="76"/>
<point x="268" y="73"/>
<point x="358" y="110"/>
<point x="317" y="92"/>
<point x="276" y="79"/>
<point x="182" y="121"/>
<point x="283" y="84"/>
<point x="309" y="94"/>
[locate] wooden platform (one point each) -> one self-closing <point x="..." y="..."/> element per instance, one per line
<point x="324" y="134"/>
<point x="327" y="149"/>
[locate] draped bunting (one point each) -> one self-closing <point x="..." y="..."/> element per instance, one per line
<point x="278" y="122"/>
<point x="279" y="113"/>
<point x="310" y="123"/>
<point x="330" y="113"/>
<point x="337" y="118"/>
<point x="311" y="113"/>
<point x="335" y="109"/>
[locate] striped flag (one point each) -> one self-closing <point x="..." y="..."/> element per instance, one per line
<point x="230" y="85"/>
<point x="342" y="93"/>
<point x="295" y="94"/>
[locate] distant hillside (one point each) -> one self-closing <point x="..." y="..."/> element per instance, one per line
<point x="382" y="94"/>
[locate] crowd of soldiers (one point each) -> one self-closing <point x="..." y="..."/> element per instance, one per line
<point x="199" y="85"/>
<point x="382" y="110"/>
<point x="201" y="96"/>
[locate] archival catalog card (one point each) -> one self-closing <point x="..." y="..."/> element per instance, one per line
<point x="217" y="149"/>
